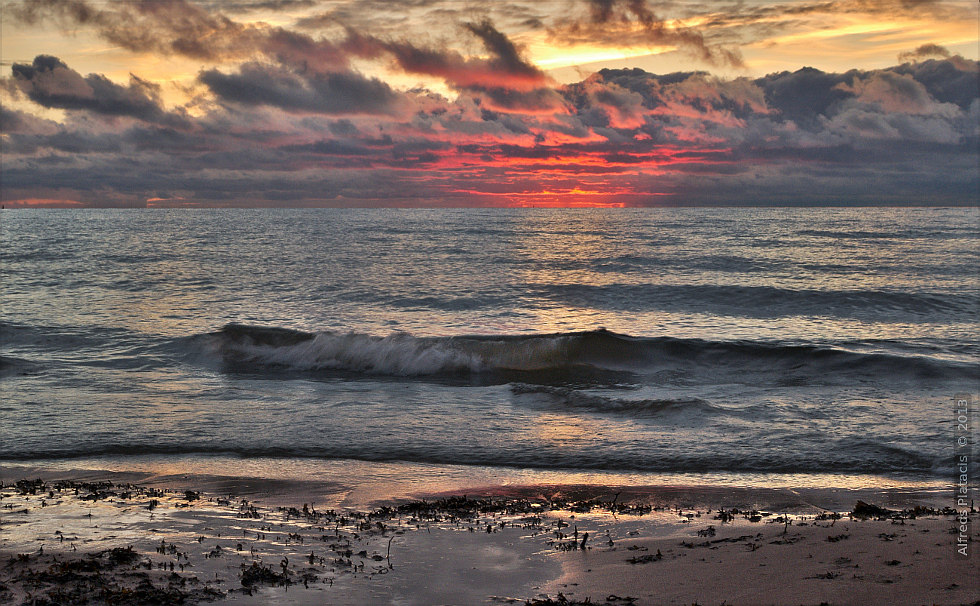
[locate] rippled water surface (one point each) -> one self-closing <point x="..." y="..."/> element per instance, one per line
<point x="722" y="340"/>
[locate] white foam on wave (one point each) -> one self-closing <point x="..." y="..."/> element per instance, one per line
<point x="403" y="354"/>
<point x="528" y="354"/>
<point x="397" y="354"/>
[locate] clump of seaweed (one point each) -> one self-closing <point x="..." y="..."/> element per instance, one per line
<point x="562" y="600"/>
<point x="864" y="511"/>
<point x="121" y="556"/>
<point x="262" y="574"/>
<point x="82" y="581"/>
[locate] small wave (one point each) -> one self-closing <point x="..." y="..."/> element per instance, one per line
<point x="60" y="338"/>
<point x="445" y="303"/>
<point x="632" y="263"/>
<point x="571" y="398"/>
<point x="13" y="367"/>
<point x="852" y="234"/>
<point x="835" y="456"/>
<point x="864" y="453"/>
<point x="764" y="301"/>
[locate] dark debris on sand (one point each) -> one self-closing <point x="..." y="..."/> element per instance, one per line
<point x="864" y="511"/>
<point x="262" y="574"/>
<point x="115" y="576"/>
<point x="123" y="576"/>
<point x="561" y="600"/>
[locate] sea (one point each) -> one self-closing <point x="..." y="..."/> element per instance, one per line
<point x="732" y="346"/>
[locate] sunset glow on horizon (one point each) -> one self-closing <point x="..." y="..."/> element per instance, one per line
<point x="443" y="103"/>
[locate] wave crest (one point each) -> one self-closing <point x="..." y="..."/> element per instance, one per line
<point x="396" y="354"/>
<point x="593" y="356"/>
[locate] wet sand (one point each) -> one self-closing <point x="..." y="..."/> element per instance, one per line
<point x="224" y="540"/>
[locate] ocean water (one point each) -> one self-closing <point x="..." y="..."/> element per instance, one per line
<point x="729" y="342"/>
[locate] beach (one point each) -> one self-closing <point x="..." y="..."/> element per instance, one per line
<point x="91" y="540"/>
<point x="533" y="302"/>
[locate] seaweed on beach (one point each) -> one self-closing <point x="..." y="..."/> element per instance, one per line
<point x="262" y="574"/>
<point x="30" y="486"/>
<point x="82" y="580"/>
<point x="459" y="507"/>
<point x="646" y="558"/>
<point x="561" y="600"/>
<point x="864" y="510"/>
<point x="120" y="556"/>
<point x="339" y="543"/>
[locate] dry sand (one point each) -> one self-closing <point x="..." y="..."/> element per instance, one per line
<point x="108" y="543"/>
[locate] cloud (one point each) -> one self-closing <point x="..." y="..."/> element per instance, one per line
<point x="179" y="27"/>
<point x="926" y="51"/>
<point x="804" y="95"/>
<point x="49" y="82"/>
<point x="506" y="56"/>
<point x="275" y="133"/>
<point x="249" y="6"/>
<point x="505" y="81"/>
<point x="892" y="93"/>
<point x="633" y="22"/>
<point x="326" y="93"/>
<point x="765" y="20"/>
<point x="890" y="105"/>
<point x="504" y="68"/>
<point x="17" y="122"/>
<point x="619" y="107"/>
<point x="954" y="80"/>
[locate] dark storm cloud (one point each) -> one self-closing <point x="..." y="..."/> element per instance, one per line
<point x="950" y="81"/>
<point x="879" y="174"/>
<point x="327" y="93"/>
<point x="343" y="127"/>
<point x="931" y="91"/>
<point x="502" y="99"/>
<point x="804" y="95"/>
<point x="505" y="81"/>
<point x="13" y="121"/>
<point x="64" y="141"/>
<point x="601" y="10"/>
<point x="505" y="68"/>
<point x="49" y="82"/>
<point x="506" y="55"/>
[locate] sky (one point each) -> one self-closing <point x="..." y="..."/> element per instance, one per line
<point x="449" y="103"/>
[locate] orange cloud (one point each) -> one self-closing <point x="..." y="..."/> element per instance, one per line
<point x="43" y="203"/>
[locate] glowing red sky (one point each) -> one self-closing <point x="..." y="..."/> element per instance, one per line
<point x="512" y="103"/>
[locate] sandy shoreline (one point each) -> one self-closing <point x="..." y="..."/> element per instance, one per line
<point x="103" y="540"/>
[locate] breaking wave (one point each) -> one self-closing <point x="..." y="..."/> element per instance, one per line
<point x="402" y="354"/>
<point x="257" y="348"/>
